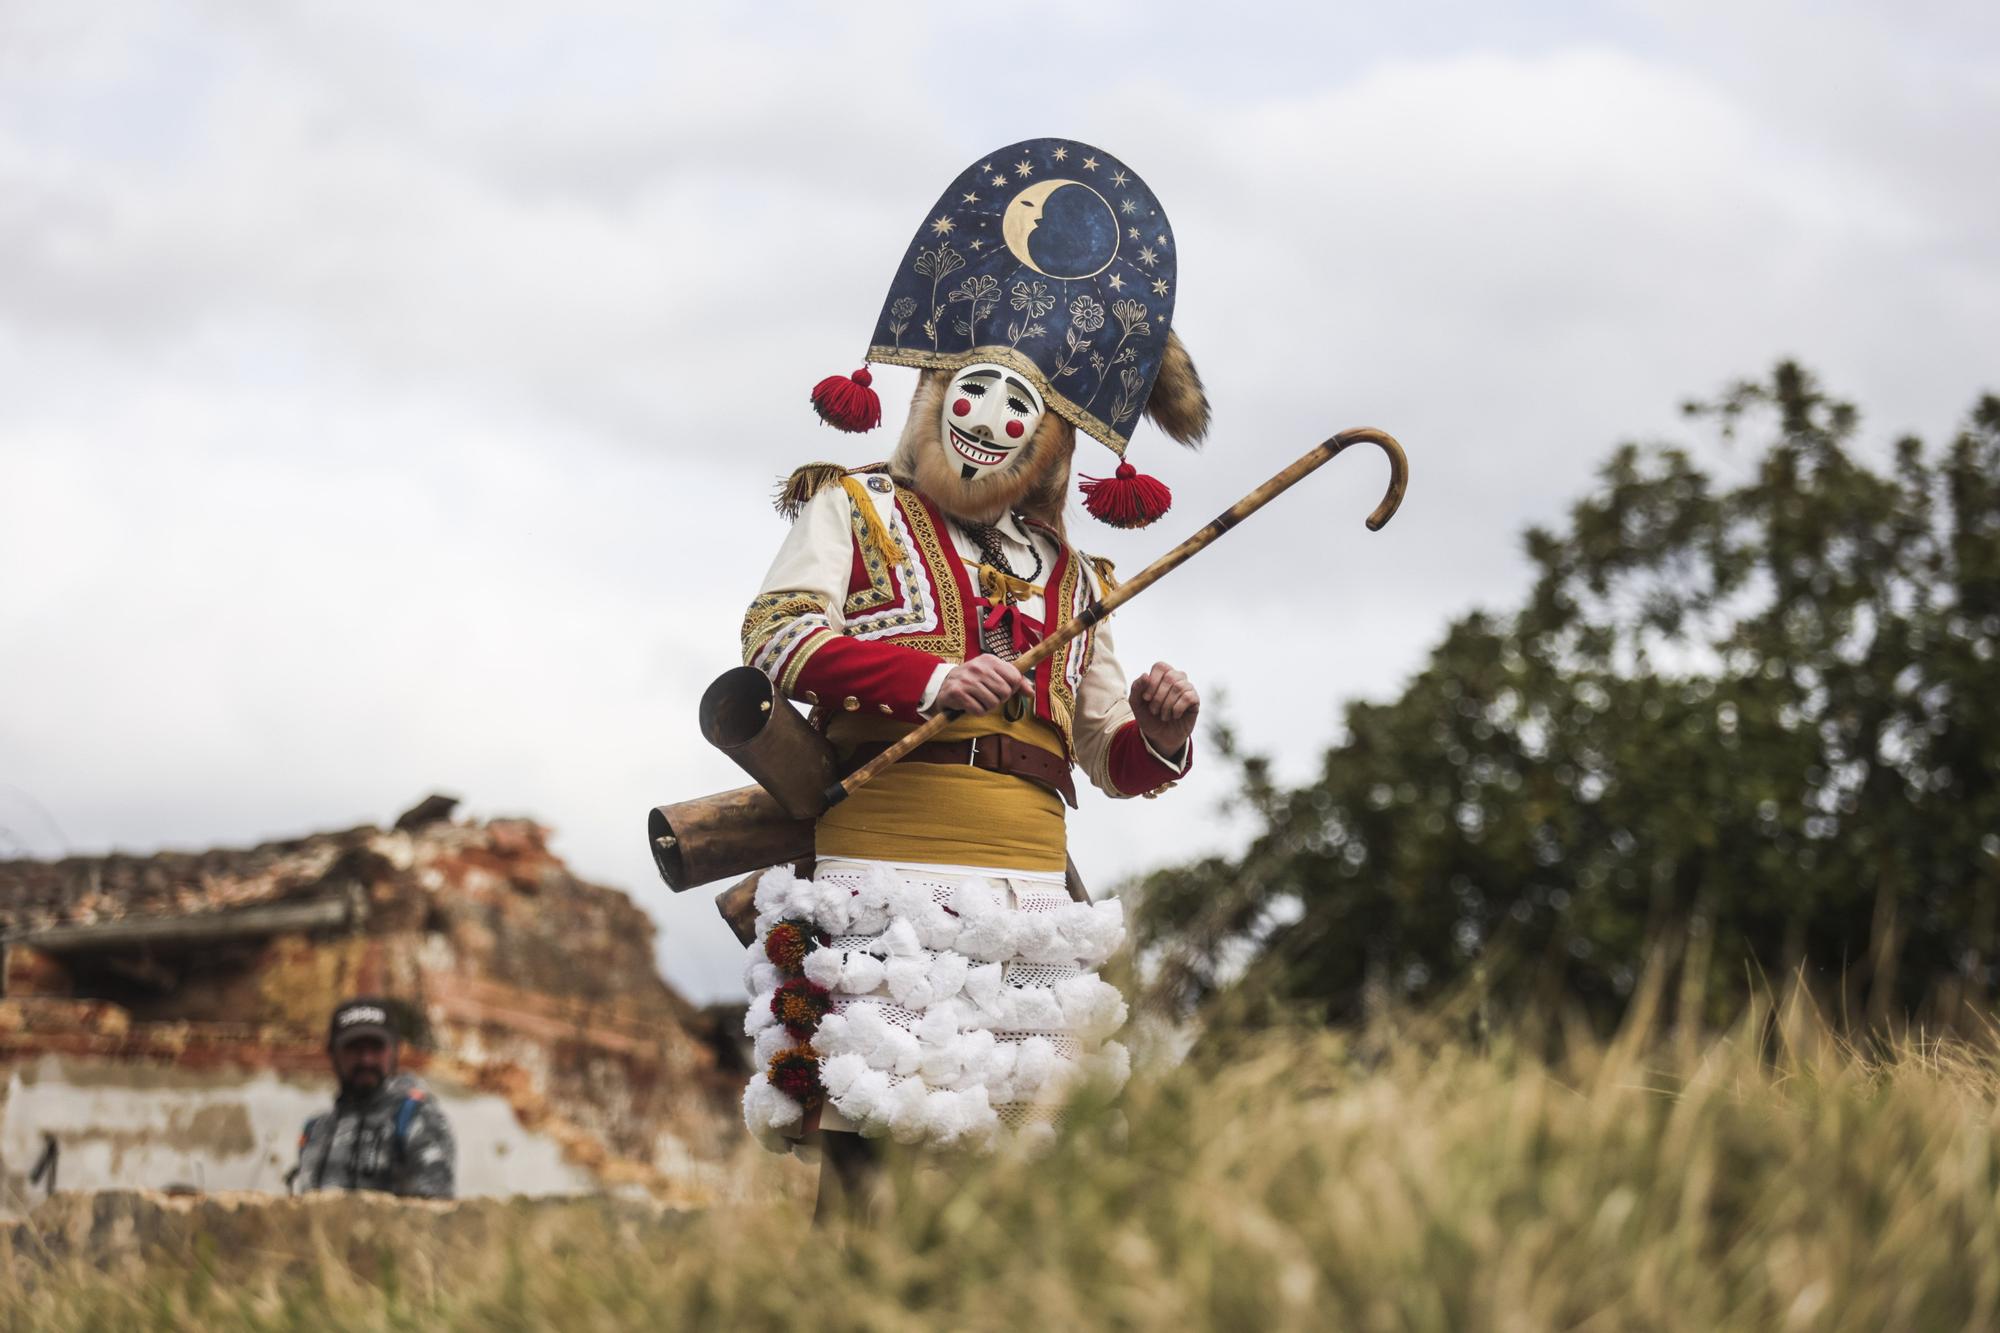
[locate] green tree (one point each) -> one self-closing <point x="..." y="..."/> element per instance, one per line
<point x="1757" y="728"/>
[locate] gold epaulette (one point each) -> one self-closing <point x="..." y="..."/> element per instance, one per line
<point x="799" y="488"/>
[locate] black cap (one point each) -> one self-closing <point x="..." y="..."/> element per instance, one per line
<point x="364" y="1017"/>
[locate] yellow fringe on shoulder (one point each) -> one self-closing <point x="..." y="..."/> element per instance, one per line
<point x="871" y="518"/>
<point x="804" y="483"/>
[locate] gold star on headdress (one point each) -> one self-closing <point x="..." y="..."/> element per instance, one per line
<point x="1025" y="168"/>
<point x="1159" y="286"/>
<point x="1116" y="283"/>
<point x="1119" y="178"/>
<point x="942" y="225"/>
<point x="1062" y="154"/>
<point x="971" y="197"/>
<point x="1090" y="164"/>
<point x="1147" y="257"/>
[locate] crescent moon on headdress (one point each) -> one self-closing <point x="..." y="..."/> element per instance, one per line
<point x="1024" y="214"/>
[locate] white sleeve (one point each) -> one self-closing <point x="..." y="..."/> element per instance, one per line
<point x="1101" y="706"/>
<point x="802" y="599"/>
<point x="928" y="704"/>
<point x="817" y="555"/>
<point x="1179" y="761"/>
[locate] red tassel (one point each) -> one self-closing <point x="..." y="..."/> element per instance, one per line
<point x="845" y="402"/>
<point x="1130" y="499"/>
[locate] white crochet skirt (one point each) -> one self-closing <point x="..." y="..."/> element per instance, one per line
<point x="937" y="1004"/>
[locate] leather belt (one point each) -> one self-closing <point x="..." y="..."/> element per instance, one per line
<point x="995" y="754"/>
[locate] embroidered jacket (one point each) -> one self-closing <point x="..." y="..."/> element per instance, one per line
<point x="875" y="594"/>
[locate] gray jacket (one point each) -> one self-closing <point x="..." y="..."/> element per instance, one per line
<point x="397" y="1141"/>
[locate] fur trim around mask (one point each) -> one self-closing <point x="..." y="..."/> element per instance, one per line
<point x="1178" y="405"/>
<point x="1037" y="485"/>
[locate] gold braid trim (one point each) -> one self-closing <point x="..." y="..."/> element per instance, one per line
<point x="1062" y="698"/>
<point x="949" y="640"/>
<point x="772" y="612"/>
<point x="1106" y="575"/>
<point x="871" y="518"/>
<point x="788" y="684"/>
<point x="1063" y="714"/>
<point x="881" y="589"/>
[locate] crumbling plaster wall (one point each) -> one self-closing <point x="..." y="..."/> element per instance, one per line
<point x="121" y="1125"/>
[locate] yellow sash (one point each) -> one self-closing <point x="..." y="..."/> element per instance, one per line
<point x="941" y="814"/>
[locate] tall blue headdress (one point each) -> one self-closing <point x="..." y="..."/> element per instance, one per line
<point x="1050" y="257"/>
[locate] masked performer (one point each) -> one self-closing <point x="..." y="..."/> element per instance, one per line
<point x="933" y="979"/>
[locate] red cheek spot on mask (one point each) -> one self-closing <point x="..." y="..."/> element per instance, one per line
<point x="1014" y="428"/>
<point x="961" y="408"/>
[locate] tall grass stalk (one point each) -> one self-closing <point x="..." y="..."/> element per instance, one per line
<point x="1769" y="1177"/>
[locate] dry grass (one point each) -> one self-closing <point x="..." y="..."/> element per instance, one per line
<point x="1766" y="1178"/>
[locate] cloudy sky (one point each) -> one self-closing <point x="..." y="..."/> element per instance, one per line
<point x="390" y="395"/>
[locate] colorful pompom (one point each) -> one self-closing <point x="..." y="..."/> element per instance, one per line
<point x="788" y="943"/>
<point x="799" y="1005"/>
<point x="1127" y="499"/>
<point x="845" y="402"/>
<point x="796" y="1074"/>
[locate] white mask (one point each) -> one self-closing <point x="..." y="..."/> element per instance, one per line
<point x="990" y="414"/>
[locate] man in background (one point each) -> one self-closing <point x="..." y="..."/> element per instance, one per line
<point x="385" y="1131"/>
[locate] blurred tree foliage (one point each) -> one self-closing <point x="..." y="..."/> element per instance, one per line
<point x="1738" y="731"/>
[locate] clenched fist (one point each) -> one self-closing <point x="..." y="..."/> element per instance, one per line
<point x="980" y="685"/>
<point x="1165" y="705"/>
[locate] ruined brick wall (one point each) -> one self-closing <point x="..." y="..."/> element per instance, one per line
<point x="532" y="983"/>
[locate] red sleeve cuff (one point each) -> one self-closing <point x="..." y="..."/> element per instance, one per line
<point x="884" y="678"/>
<point x="1134" y="770"/>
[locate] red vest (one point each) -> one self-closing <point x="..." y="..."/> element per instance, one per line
<point x="920" y="594"/>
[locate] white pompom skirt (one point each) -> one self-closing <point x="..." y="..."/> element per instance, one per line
<point x="941" y="1005"/>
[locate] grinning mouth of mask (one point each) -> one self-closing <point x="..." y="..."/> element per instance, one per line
<point x="976" y="454"/>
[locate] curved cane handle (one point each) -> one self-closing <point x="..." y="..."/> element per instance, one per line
<point x="1399" y="468"/>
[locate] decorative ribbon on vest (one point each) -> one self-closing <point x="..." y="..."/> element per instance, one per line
<point x="1005" y="630"/>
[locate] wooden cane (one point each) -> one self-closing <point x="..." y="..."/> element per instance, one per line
<point x="1399" y="479"/>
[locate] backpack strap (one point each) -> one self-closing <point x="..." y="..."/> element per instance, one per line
<point x="405" y="1114"/>
<point x="305" y="1137"/>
